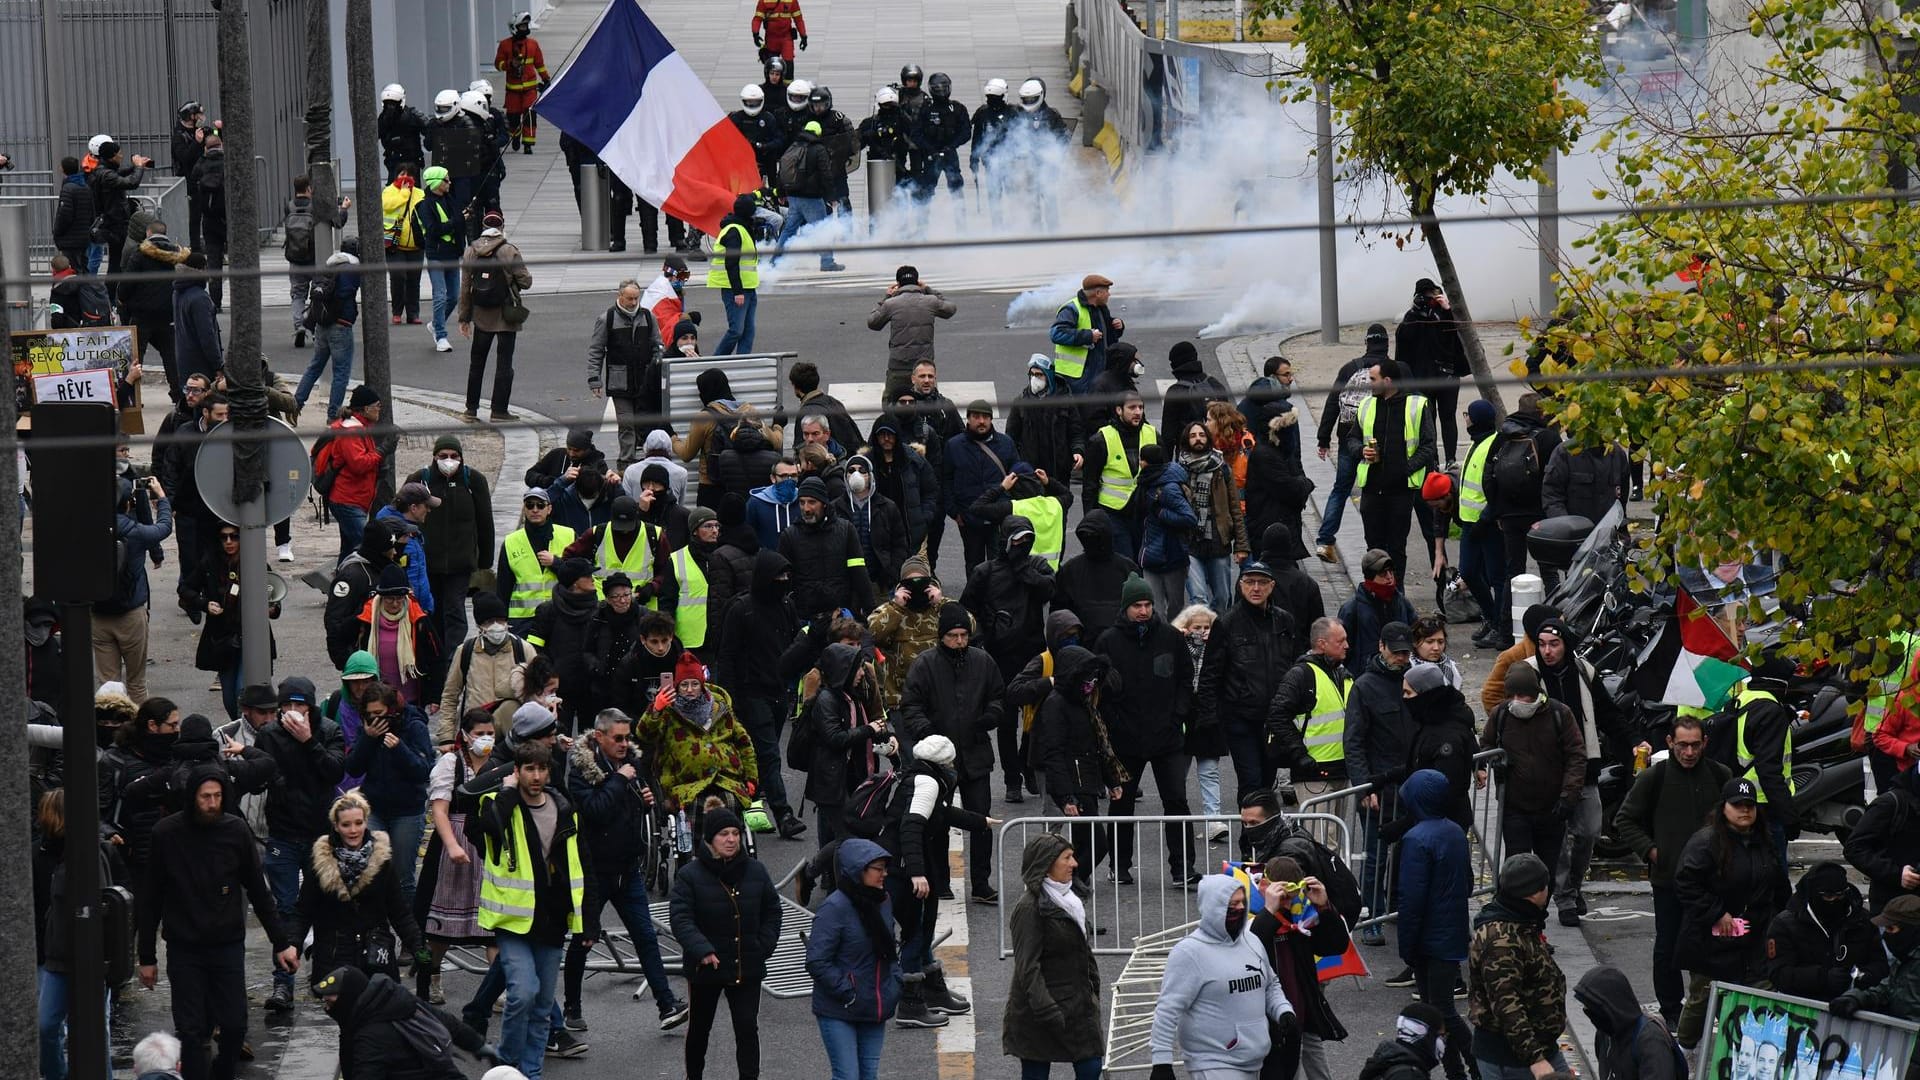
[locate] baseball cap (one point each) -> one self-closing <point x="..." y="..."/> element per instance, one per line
<point x="1256" y="568"/>
<point x="1901" y="911"/>
<point x="533" y="493"/>
<point x="1374" y="563"/>
<point x="1396" y="636"/>
<point x="413" y="494"/>
<point x="626" y="514"/>
<point x="1740" y="790"/>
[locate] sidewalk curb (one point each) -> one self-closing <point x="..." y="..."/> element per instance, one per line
<point x="520" y="450"/>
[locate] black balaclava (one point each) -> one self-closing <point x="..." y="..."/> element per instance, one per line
<point x="1828" y="877"/>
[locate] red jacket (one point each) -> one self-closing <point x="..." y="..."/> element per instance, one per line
<point x="783" y="22"/>
<point x="358" y="460"/>
<point x="525" y="71"/>
<point x="1900" y="728"/>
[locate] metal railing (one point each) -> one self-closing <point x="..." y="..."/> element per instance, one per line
<point x="170" y="202"/>
<point x="1156" y="899"/>
<point x="1483" y="836"/>
<point x="1135" y="996"/>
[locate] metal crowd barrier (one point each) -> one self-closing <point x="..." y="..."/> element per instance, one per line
<point x="1484" y="842"/>
<point x="1135" y="995"/>
<point x="1156" y="900"/>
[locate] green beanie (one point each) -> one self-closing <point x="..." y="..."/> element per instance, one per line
<point x="361" y="663"/>
<point x="1134" y="590"/>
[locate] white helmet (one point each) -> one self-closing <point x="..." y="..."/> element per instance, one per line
<point x="94" y="144"/>
<point x="394" y="92"/>
<point x="1033" y="94"/>
<point x="996" y="88"/>
<point x="886" y="95"/>
<point x="446" y="101"/>
<point x="753" y="98"/>
<point x="483" y="88"/>
<point x="473" y="101"/>
<point x="797" y="94"/>
<point x="521" y="19"/>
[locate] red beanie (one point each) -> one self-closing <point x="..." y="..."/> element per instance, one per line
<point x="1438" y="486"/>
<point x="688" y="667"/>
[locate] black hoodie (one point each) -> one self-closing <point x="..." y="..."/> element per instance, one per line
<point x="843" y="718"/>
<point x="1007" y="596"/>
<point x="1630" y="1045"/>
<point x="370" y="1012"/>
<point x="197" y="874"/>
<point x="1815" y="955"/>
<point x="759" y="628"/>
<point x="1149" y="717"/>
<point x="1069" y="745"/>
<point x="1089" y="583"/>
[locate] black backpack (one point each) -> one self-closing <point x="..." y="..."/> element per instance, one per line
<point x="805" y="737"/>
<point x="1515" y="469"/>
<point x="298" y="245"/>
<point x="1321" y="861"/>
<point x="427" y="1038"/>
<point x="1679" y="1056"/>
<point x="869" y="809"/>
<point x="323" y="308"/>
<point x="792" y="160"/>
<point x="491" y="289"/>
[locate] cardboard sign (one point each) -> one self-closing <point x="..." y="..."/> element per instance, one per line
<point x="109" y="349"/>
<point x="93" y="387"/>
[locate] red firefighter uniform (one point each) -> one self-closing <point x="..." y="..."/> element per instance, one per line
<point x="782" y="22"/>
<point x="526" y="70"/>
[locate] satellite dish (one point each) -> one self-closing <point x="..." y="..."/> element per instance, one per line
<point x="289" y="472"/>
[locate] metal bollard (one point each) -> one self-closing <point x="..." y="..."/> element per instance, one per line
<point x="13" y="264"/>
<point x="882" y="175"/>
<point x="593" y="208"/>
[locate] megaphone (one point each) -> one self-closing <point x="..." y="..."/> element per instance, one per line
<point x="276" y="588"/>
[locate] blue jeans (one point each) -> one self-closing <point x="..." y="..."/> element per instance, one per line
<point x="492" y="984"/>
<point x="1490" y="1071"/>
<point x="802" y="210"/>
<point x="628" y="894"/>
<point x="353" y="525"/>
<point x="1344" y="468"/>
<point x="96" y="253"/>
<point x="283" y="861"/>
<point x="446" y="297"/>
<point x="1084" y="1069"/>
<point x="330" y="344"/>
<point x="1210" y="581"/>
<point x="739" y="338"/>
<point x="532" y="972"/>
<point x="405" y="832"/>
<point x="853" y="1049"/>
<point x="54" y="1007"/>
<point x="1483" y="565"/>
<point x="230" y="690"/>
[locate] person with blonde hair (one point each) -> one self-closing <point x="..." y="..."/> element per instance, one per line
<point x="350" y="897"/>
<point x="1206" y="745"/>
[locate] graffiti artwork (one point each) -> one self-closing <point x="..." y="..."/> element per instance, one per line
<point x="1759" y="1035"/>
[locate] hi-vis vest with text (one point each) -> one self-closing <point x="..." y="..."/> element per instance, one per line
<point x="1117" y="478"/>
<point x="749" y="261"/>
<point x="1416" y="412"/>
<point x="1473" y="491"/>
<point x="1049" y="527"/>
<point x="1070" y="361"/>
<point x="1326" y="726"/>
<point x="690" y="617"/>
<point x="532" y="582"/>
<point x="1744" y="760"/>
<point x="507" y="895"/>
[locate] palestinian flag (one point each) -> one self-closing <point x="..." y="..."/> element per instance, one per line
<point x="1692" y="662"/>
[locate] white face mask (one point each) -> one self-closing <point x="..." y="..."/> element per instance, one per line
<point x="624" y="309"/>
<point x="480" y="745"/>
<point x="1523" y="709"/>
<point x="857" y="482"/>
<point x="495" y="633"/>
<point x="1138" y="369"/>
<point x="447" y="466"/>
<point x="1037" y="383"/>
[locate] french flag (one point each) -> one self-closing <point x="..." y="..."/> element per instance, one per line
<point x="631" y="98"/>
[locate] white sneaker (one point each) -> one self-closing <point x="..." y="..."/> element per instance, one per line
<point x="442" y="345"/>
<point x="286" y="552"/>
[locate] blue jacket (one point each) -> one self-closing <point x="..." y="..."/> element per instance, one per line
<point x="196" y="334"/>
<point x="572" y="511"/>
<point x="850" y="980"/>
<point x="768" y="515"/>
<point x="395" y="781"/>
<point x="967" y="471"/>
<point x="1363" y="616"/>
<point x="1168" y="516"/>
<point x="416" y="556"/>
<point x="1436" y="874"/>
<point x="139" y="540"/>
<point x="346" y="288"/>
<point x="1066" y="331"/>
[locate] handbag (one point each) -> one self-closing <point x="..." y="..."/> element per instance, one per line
<point x="514" y="313"/>
<point x="378" y="952"/>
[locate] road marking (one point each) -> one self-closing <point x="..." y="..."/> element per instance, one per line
<point x="956" y="1042"/>
<point x="1615" y="914"/>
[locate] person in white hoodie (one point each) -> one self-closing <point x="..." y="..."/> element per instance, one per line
<point x="1219" y="994"/>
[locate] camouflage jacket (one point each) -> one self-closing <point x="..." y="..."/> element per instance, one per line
<point x="901" y="634"/>
<point x="1517" y="994"/>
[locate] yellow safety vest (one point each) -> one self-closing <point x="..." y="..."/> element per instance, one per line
<point x="638" y="564"/>
<point x="1473" y="491"/>
<point x="1049" y="526"/>
<point x="1326" y="727"/>
<point x="690" y="617"/>
<point x="1416" y="412"/>
<point x="1117" y="478"/>
<point x="396" y="215"/>
<point x="507" y="886"/>
<point x="532" y="582"/>
<point x="1883" y="690"/>
<point x="1743" y="700"/>
<point x="1070" y="361"/>
<point x="749" y="262"/>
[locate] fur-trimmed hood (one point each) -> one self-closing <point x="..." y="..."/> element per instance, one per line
<point x="110" y="708"/>
<point x="1280" y="423"/>
<point x="326" y="869"/>
<point x="584" y="762"/>
<point x="163" y="249"/>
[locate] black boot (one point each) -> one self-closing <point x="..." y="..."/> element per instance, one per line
<point x="913" y="1011"/>
<point x="791" y="827"/>
<point x="939" y="998"/>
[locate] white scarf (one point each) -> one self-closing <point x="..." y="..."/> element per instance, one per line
<point x="1062" y="894"/>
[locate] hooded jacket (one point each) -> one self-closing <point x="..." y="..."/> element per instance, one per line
<point x="1363" y="615"/>
<point x="1428" y="342"/>
<point x="907" y="478"/>
<point x="1053" y="999"/>
<point x="1148" y="717"/>
<point x="1219" y="992"/>
<point x="1815" y="955"/>
<point x="196" y="334"/>
<point x="1546" y="763"/>
<point x="1440" y="737"/>
<point x="1069" y="743"/>
<point x="371" y="1011"/>
<point x="1187" y="399"/>
<point x="1046" y="427"/>
<point x="883" y="531"/>
<point x="1395" y="1060"/>
<point x="1247" y="652"/>
<point x="490" y="247"/>
<point x="1088" y="584"/>
<point x="1007" y="596"/>
<point x="308" y="774"/>
<point x="342" y="916"/>
<point x="759" y="627"/>
<point x="1630" y="1045"/>
<point x="1665" y="807"/>
<point x="150" y="300"/>
<point x="1749" y="884"/>
<point x="843" y="718"/>
<point x="771" y="511"/>
<point x="851" y="979"/>
<point x="563" y="628"/>
<point x="1377" y="725"/>
<point x="459" y="533"/>
<point x="1516" y="994"/>
<point x="1168" y="515"/>
<point x="1886" y="840"/>
<point x="73" y="216"/>
<point x="1436" y="874"/>
<point x="959" y="696"/>
<point x="196" y="879"/>
<point x="829" y="565"/>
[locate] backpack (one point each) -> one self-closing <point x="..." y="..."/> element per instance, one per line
<point x="1358" y="389"/>
<point x="426" y="1037"/>
<point x="1515" y="470"/>
<point x="326" y="471"/>
<point x="801" y="743"/>
<point x="792" y="160"/>
<point x="323" y="308"/>
<point x="466" y="662"/>
<point x="1321" y="861"/>
<point x="491" y="289"/>
<point x="298" y="245"/>
<point x="1673" y="1047"/>
<point x="869" y="809"/>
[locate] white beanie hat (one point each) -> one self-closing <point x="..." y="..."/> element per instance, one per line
<point x="504" y="1072"/>
<point x="937" y="749"/>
